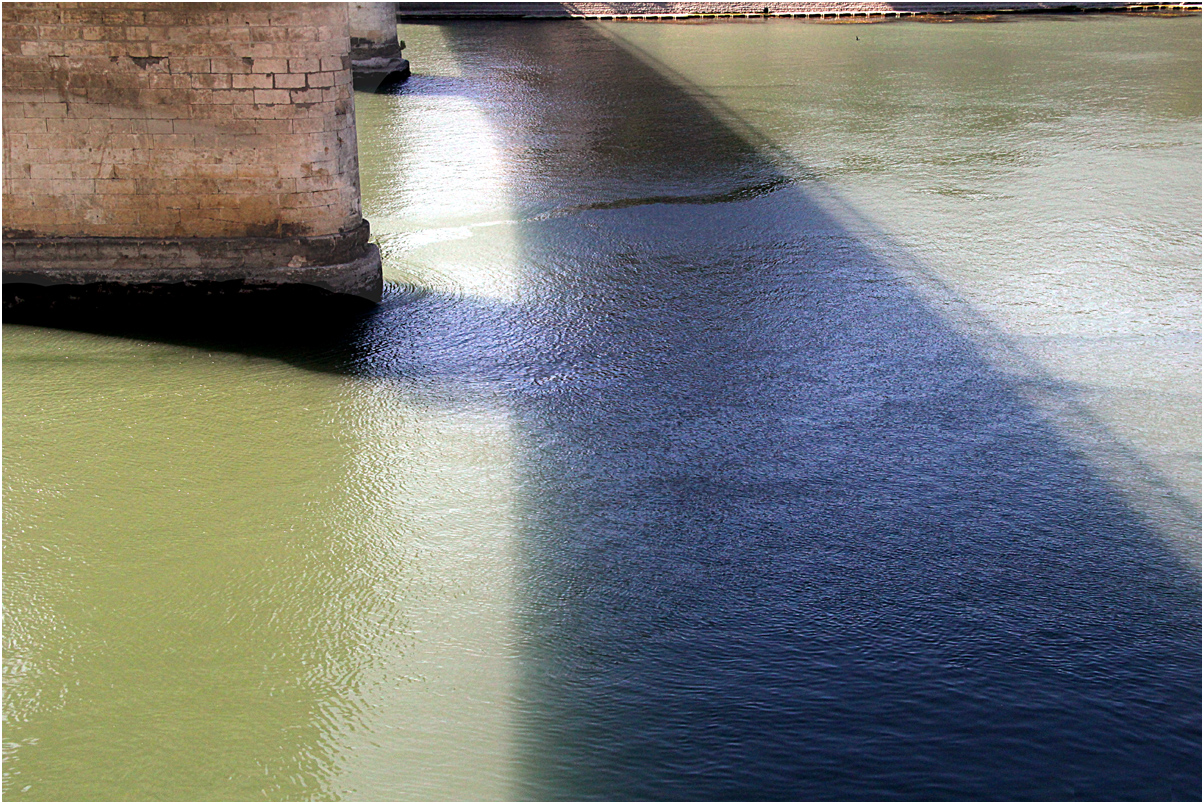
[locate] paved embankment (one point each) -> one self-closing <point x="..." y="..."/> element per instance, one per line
<point x="813" y="10"/>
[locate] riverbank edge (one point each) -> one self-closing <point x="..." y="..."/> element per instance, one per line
<point x="812" y="11"/>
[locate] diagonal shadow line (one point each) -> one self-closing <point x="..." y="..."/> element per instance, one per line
<point x="1001" y="349"/>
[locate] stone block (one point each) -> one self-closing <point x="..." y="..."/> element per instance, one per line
<point x="271" y="96"/>
<point x="210" y="80"/>
<point x="304" y="65"/>
<point x="269" y="65"/>
<point x="251" y="81"/>
<point x="322" y="80"/>
<point x="306" y="95"/>
<point x="233" y="65"/>
<point x="289" y="81"/>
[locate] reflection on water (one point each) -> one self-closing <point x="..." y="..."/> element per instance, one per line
<point x="756" y="413"/>
<point x="447" y="184"/>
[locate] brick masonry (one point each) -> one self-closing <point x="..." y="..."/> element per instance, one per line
<point x="178" y="120"/>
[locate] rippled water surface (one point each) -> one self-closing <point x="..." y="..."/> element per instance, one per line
<point x="757" y="410"/>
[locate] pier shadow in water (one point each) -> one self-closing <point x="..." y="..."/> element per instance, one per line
<point x="788" y="535"/>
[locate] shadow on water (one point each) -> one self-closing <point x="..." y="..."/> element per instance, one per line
<point x="307" y="326"/>
<point x="787" y="534"/>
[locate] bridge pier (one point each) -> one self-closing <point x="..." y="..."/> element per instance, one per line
<point x="375" y="50"/>
<point x="152" y="144"/>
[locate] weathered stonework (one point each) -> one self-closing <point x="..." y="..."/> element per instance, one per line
<point x="175" y="141"/>
<point x="376" y="59"/>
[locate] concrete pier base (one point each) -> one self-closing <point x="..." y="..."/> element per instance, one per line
<point x="379" y="72"/>
<point x="344" y="263"/>
<point x="376" y="60"/>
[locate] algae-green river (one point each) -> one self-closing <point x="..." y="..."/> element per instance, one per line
<point x="757" y="410"/>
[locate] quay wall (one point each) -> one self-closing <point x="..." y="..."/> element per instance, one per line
<point x="813" y="10"/>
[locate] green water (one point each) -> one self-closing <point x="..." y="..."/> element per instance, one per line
<point x="250" y="573"/>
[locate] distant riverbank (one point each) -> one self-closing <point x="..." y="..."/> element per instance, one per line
<point x="848" y="11"/>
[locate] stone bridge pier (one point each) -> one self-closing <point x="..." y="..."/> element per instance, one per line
<point x="376" y="60"/>
<point x="153" y="144"/>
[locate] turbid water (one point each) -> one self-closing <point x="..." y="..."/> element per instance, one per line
<point x="757" y="410"/>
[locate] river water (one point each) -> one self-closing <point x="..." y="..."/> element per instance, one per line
<point x="757" y="410"/>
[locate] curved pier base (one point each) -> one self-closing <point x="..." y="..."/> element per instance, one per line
<point x="344" y="263"/>
<point x="376" y="61"/>
<point x="376" y="73"/>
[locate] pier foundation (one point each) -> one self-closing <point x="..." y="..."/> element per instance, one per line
<point x="376" y="60"/>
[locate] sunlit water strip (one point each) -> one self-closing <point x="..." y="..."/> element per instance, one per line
<point x="345" y="635"/>
<point x="443" y="182"/>
<point x="436" y="716"/>
<point x="432" y="490"/>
